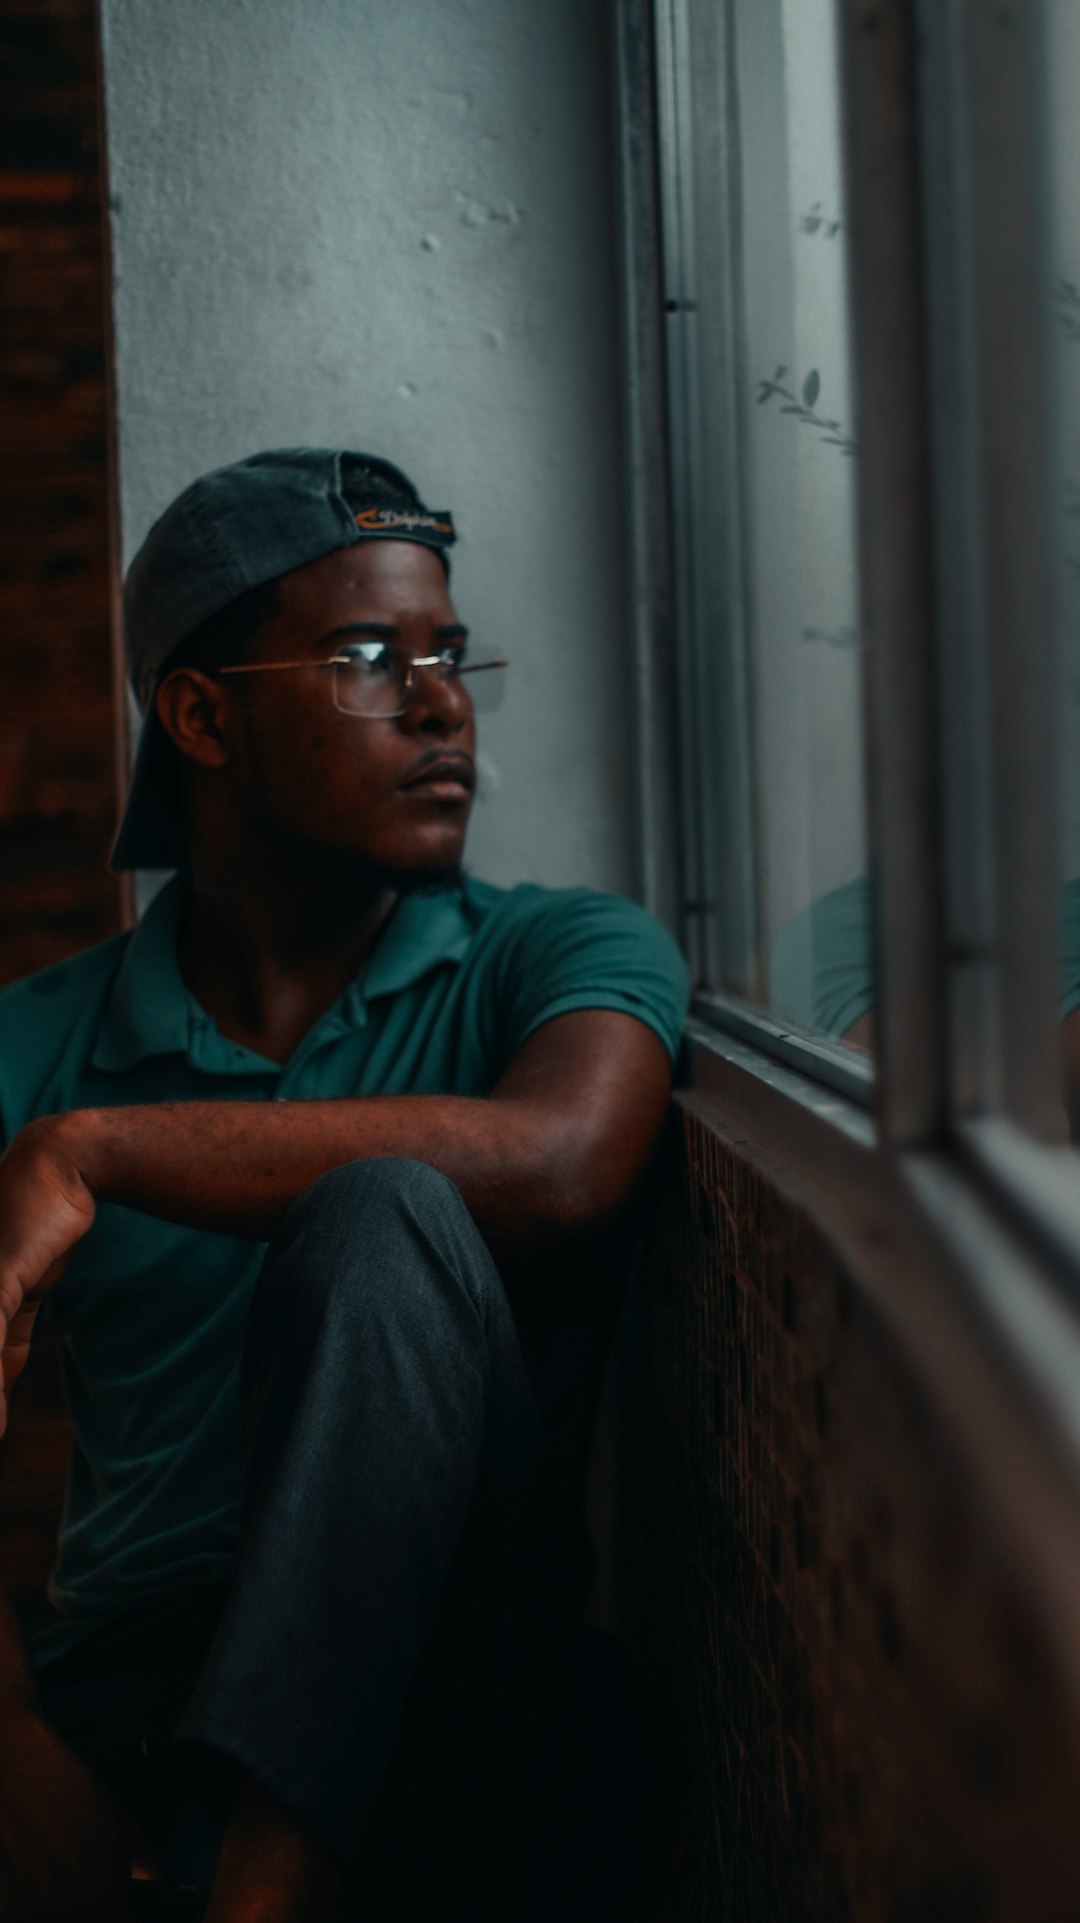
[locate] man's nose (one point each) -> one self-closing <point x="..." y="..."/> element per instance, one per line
<point x="439" y="703"/>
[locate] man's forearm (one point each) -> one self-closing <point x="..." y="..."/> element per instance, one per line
<point x="556" y="1148"/>
<point x="234" y="1167"/>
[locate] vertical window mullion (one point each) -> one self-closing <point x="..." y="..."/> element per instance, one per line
<point x="716" y="764"/>
<point x="1006" y="213"/>
<point x="647" y="491"/>
<point x="680" y="347"/>
<point x="728" y="793"/>
<point x="895" y="566"/>
<point x="982" y="194"/>
<point x="969" y="957"/>
<point x="685" y="462"/>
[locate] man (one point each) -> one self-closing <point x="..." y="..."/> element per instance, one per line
<point x="312" y="1168"/>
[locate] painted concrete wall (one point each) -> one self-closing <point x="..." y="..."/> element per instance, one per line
<point x="390" y="228"/>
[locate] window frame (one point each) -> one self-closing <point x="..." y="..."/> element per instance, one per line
<point x="935" y="94"/>
<point x="946" y="191"/>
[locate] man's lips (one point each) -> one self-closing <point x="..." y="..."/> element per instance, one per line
<point x="448" y="779"/>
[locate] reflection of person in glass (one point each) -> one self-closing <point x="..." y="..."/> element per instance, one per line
<point x="821" y="973"/>
<point x="346" y="1579"/>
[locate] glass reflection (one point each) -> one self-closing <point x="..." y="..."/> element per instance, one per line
<point x="814" y="964"/>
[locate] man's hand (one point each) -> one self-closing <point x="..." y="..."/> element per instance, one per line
<point x="45" y="1208"/>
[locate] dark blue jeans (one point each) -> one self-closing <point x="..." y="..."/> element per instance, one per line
<point x="397" y="1658"/>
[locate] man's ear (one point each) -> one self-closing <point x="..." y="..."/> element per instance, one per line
<point x="192" y="708"/>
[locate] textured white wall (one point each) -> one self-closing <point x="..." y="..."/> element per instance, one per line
<point x="389" y="227"/>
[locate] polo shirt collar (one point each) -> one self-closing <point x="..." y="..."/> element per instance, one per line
<point x="151" y="1011"/>
<point x="423" y="931"/>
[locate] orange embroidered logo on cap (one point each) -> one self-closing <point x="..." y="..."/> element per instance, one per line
<point x="381" y="520"/>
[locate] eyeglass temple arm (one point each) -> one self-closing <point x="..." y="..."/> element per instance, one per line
<point x="268" y="667"/>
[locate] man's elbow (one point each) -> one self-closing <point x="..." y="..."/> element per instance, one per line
<point x="590" y="1186"/>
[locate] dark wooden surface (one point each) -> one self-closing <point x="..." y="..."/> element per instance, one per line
<point x="57" y="779"/>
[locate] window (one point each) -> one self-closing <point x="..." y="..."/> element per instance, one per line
<point x="763" y="408"/>
<point x="869" y="275"/>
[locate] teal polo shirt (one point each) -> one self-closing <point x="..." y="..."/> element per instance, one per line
<point x="151" y="1316"/>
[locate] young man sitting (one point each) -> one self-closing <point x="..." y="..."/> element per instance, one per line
<point x="313" y="1168"/>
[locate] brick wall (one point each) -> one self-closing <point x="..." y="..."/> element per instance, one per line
<point x="857" y="1711"/>
<point x="57" y="740"/>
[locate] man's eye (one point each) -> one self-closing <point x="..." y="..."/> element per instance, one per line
<point x="453" y="657"/>
<point x="371" y="657"/>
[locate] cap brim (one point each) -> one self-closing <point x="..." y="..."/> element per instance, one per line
<point x="150" y="834"/>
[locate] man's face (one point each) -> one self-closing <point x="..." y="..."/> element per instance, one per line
<point x="344" y="784"/>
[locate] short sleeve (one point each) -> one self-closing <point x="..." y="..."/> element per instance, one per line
<point x="575" y="949"/>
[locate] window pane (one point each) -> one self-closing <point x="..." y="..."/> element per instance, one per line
<point x="773" y="273"/>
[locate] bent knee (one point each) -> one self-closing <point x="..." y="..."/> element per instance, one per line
<point x="384" y="1225"/>
<point x="373" y="1203"/>
<point x="378" y="1181"/>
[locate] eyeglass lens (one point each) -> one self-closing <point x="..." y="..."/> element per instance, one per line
<point x="376" y="678"/>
